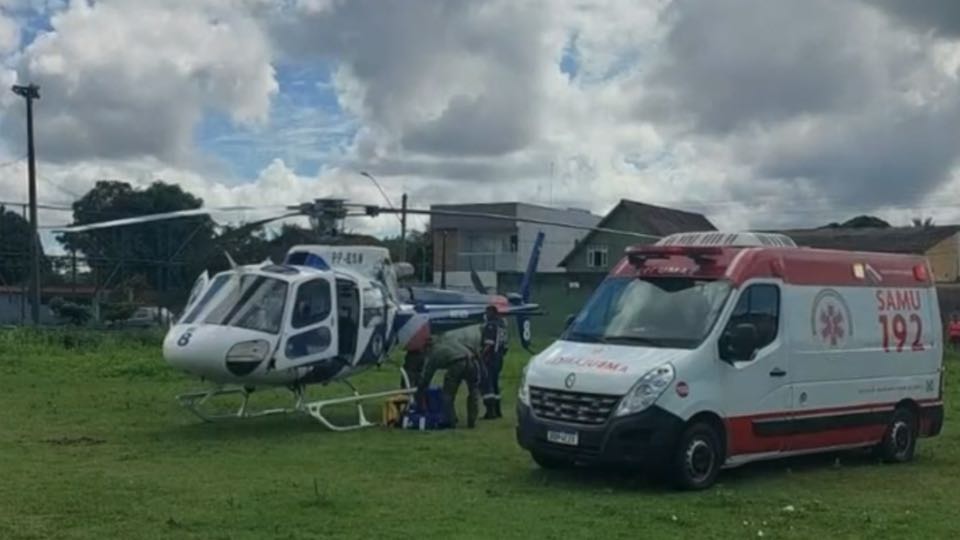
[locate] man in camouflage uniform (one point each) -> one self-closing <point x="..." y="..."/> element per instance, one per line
<point x="457" y="352"/>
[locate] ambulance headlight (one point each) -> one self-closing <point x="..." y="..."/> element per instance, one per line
<point x="249" y="351"/>
<point x="523" y="394"/>
<point x="647" y="390"/>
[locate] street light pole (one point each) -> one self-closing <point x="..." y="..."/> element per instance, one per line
<point x="30" y="93"/>
<point x="403" y="228"/>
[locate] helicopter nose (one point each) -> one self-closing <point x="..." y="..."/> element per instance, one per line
<point x="216" y="352"/>
<point x="188" y="349"/>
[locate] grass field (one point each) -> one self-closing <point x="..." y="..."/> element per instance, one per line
<point x="92" y="445"/>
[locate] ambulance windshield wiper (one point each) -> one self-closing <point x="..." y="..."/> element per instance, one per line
<point x="584" y="337"/>
<point x="637" y="340"/>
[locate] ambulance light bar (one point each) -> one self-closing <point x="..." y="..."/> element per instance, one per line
<point x="722" y="239"/>
<point x="639" y="255"/>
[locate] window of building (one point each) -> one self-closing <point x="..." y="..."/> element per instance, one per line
<point x="597" y="257"/>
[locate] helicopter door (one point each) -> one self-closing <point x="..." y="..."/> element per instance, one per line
<point x="348" y="315"/>
<point x="311" y="330"/>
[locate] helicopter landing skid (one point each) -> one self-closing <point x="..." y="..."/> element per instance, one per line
<point x="315" y="409"/>
<point x="193" y="402"/>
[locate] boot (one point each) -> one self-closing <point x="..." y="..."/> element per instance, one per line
<point x="496" y="407"/>
<point x="490" y="411"/>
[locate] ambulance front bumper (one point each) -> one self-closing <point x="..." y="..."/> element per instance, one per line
<point x="643" y="439"/>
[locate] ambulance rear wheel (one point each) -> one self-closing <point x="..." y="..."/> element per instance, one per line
<point x="546" y="461"/>
<point x="900" y="440"/>
<point x="698" y="458"/>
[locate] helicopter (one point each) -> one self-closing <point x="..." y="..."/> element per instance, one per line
<point x="324" y="314"/>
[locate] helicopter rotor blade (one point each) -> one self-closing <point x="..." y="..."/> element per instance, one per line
<point x="247" y="227"/>
<point x="375" y="210"/>
<point x="149" y="218"/>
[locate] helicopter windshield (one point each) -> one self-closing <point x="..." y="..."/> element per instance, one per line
<point x="253" y="301"/>
<point x="656" y="312"/>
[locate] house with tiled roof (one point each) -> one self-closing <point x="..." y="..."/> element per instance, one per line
<point x="598" y="250"/>
<point x="940" y="244"/>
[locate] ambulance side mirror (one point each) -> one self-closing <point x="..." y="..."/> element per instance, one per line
<point x="739" y="343"/>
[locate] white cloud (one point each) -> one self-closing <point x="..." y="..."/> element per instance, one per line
<point x="133" y="79"/>
<point x="9" y="34"/>
<point x="758" y="112"/>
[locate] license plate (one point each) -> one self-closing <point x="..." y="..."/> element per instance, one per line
<point x="569" y="438"/>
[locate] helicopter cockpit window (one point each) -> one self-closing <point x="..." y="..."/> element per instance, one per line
<point x="197" y="288"/>
<point x="254" y="302"/>
<point x="313" y="303"/>
<point x="389" y="278"/>
<point x="212" y="290"/>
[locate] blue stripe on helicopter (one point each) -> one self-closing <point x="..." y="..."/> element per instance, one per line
<point x="317" y="262"/>
<point x="301" y="258"/>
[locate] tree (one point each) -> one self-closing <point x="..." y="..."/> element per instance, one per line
<point x="69" y="312"/>
<point x="860" y="222"/>
<point x="168" y="254"/>
<point x="15" y="249"/>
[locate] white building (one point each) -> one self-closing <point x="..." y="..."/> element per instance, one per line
<point x="488" y="246"/>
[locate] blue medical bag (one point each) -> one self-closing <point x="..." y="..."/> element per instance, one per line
<point x="426" y="414"/>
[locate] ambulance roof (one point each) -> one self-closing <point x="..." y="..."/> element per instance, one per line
<point x="794" y="265"/>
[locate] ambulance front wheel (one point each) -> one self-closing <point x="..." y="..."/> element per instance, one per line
<point x="900" y="440"/>
<point x="698" y="457"/>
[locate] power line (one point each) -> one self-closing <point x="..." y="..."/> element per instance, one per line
<point x="42" y="206"/>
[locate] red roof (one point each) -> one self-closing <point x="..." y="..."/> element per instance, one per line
<point x="799" y="266"/>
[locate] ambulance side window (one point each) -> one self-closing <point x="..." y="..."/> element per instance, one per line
<point x="759" y="305"/>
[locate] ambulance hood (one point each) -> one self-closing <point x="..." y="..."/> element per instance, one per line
<point x="597" y="368"/>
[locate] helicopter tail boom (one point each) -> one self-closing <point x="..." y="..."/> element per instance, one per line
<point x="523" y="320"/>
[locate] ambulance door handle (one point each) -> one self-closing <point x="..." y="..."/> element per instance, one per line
<point x="777" y="372"/>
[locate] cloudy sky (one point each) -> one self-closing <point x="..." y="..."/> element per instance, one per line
<point x="759" y="113"/>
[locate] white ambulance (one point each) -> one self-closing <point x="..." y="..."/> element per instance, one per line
<point x="710" y="350"/>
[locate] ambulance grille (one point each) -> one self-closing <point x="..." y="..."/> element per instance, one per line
<point x="572" y="407"/>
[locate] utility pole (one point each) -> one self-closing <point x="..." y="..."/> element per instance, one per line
<point x="403" y="228"/>
<point x="30" y="93"/>
<point x="23" y="289"/>
<point x="443" y="260"/>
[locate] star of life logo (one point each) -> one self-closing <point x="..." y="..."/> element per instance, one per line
<point x="830" y="319"/>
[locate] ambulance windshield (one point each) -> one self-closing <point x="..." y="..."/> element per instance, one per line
<point x="655" y="312"/>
